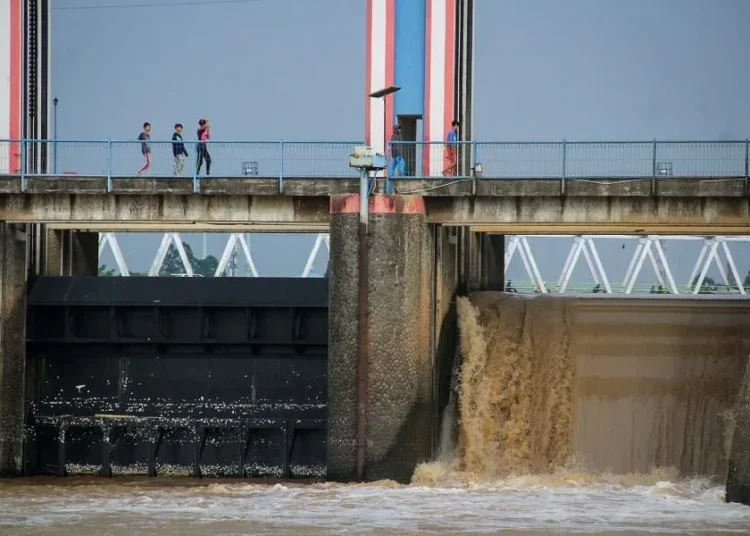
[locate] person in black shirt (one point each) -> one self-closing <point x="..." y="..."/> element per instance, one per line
<point x="178" y="150"/>
<point x="144" y="138"/>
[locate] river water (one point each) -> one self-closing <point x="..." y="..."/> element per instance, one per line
<point x="513" y="506"/>
<point x="582" y="399"/>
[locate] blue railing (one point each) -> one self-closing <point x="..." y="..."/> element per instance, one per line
<point x="112" y="159"/>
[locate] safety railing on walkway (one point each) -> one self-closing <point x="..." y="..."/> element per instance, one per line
<point x="292" y="159"/>
<point x="126" y="158"/>
<point x="572" y="160"/>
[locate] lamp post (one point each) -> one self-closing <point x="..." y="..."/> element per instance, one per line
<point x="365" y="160"/>
<point x="383" y="94"/>
<point x="54" y="135"/>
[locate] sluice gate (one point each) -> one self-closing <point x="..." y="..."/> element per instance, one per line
<point x="177" y="376"/>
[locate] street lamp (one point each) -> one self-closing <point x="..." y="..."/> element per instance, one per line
<point x="382" y="94"/>
<point x="54" y="135"/>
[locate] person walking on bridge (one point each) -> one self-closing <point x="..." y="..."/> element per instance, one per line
<point x="451" y="151"/>
<point x="204" y="134"/>
<point x="397" y="161"/>
<point x="144" y="137"/>
<point x="178" y="150"/>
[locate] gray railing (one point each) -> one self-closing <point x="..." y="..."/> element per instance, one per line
<point x="328" y="159"/>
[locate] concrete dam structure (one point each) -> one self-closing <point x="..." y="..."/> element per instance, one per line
<point x="609" y="385"/>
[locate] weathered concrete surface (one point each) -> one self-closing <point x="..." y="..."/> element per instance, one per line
<point x="399" y="412"/>
<point x="444" y="325"/>
<point x="493" y="262"/>
<point x="738" y="479"/>
<point x="688" y="206"/>
<point x="686" y="215"/>
<point x="165" y="209"/>
<point x="68" y="252"/>
<point x="268" y="186"/>
<point x="12" y="346"/>
<point x="343" y="328"/>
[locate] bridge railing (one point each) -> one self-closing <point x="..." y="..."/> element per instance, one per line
<point x="124" y="158"/>
<point x="300" y="159"/>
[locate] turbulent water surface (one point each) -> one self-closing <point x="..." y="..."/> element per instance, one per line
<point x="523" y="505"/>
<point x="582" y="400"/>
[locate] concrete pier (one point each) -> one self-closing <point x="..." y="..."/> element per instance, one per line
<point x="68" y="252"/>
<point x="13" y="270"/>
<point x="400" y="369"/>
<point x="738" y="479"/>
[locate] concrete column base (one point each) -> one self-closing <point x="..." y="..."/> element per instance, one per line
<point x="400" y="367"/>
<point x="13" y="269"/>
<point x="73" y="253"/>
<point x="738" y="478"/>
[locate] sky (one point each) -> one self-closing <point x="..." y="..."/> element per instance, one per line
<point x="294" y="69"/>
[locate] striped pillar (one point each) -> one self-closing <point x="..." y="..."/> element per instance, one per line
<point x="425" y="71"/>
<point x="439" y="80"/>
<point x="380" y="69"/>
<point x="10" y="83"/>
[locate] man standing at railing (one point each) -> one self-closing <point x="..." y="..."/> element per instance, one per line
<point x="178" y="150"/>
<point x="204" y="135"/>
<point x="451" y="150"/>
<point x="397" y="161"/>
<point x="144" y="138"/>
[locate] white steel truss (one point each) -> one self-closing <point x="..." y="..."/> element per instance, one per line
<point x="710" y="252"/>
<point x="652" y="248"/>
<point x="649" y="249"/>
<point x="234" y="241"/>
<point x="110" y="239"/>
<point x="161" y="254"/>
<point x="322" y="238"/>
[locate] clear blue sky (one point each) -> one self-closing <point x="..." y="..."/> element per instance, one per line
<point x="294" y="69"/>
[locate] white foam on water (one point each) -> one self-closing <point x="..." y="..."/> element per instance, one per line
<point x="688" y="507"/>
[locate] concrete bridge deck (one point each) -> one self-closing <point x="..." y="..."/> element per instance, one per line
<point x="682" y="205"/>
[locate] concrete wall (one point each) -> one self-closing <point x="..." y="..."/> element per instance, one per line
<point x="400" y="369"/>
<point x="342" y="346"/>
<point x="69" y="252"/>
<point x="738" y="479"/>
<point x="12" y="346"/>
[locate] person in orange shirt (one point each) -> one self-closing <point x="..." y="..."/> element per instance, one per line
<point x="451" y="150"/>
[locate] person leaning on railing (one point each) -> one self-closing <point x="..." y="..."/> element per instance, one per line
<point x="397" y="161"/>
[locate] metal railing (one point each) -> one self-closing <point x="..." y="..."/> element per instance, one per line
<point x="114" y="159"/>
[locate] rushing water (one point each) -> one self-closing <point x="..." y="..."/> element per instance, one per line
<point x="523" y="505"/>
<point x="541" y="386"/>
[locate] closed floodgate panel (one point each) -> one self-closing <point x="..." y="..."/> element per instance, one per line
<point x="177" y="376"/>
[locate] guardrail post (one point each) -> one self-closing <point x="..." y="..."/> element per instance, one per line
<point x="472" y="166"/>
<point x="653" y="168"/>
<point x="564" y="166"/>
<point x="23" y="165"/>
<point x="109" y="165"/>
<point x="281" y="167"/>
<point x="747" y="166"/>
<point x="196" y="182"/>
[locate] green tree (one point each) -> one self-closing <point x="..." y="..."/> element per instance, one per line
<point x="709" y="285"/>
<point x="106" y="272"/>
<point x="173" y="263"/>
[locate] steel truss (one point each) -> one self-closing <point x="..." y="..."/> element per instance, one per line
<point x="649" y="247"/>
<point x="236" y="243"/>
